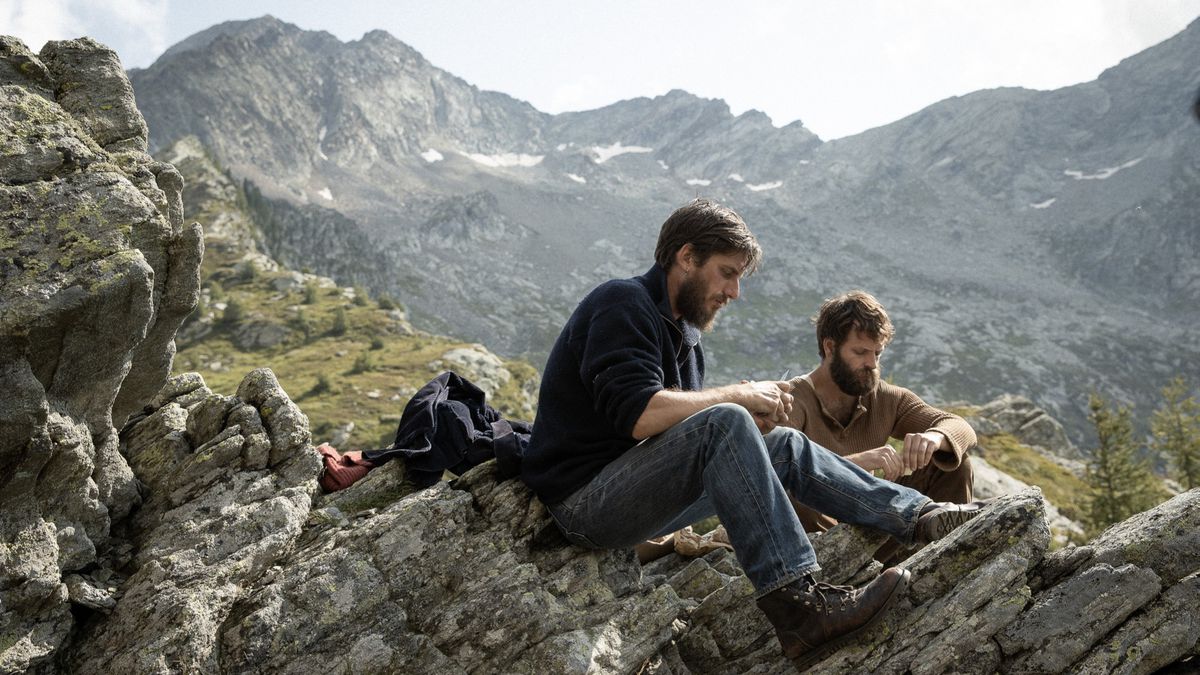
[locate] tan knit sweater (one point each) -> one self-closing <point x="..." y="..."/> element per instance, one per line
<point x="889" y="411"/>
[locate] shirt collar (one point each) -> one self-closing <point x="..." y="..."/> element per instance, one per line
<point x="656" y="282"/>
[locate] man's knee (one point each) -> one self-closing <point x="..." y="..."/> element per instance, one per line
<point x="730" y="416"/>
<point x="732" y="429"/>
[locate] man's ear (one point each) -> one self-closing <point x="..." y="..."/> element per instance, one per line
<point x="829" y="345"/>
<point x="685" y="256"/>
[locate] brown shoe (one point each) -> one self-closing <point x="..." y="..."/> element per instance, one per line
<point x="813" y="619"/>
<point x="938" y="519"/>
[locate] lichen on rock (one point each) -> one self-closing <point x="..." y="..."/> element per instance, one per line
<point x="94" y="280"/>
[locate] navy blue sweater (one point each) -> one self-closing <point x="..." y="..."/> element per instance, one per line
<point x="619" y="348"/>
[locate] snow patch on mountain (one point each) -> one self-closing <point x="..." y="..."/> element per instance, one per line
<point x="605" y="153"/>
<point x="1102" y="174"/>
<point x="504" y="160"/>
<point x="759" y="187"/>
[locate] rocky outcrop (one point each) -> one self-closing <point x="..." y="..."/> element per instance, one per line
<point x="229" y="481"/>
<point x="97" y="270"/>
<point x="1023" y="419"/>
<point x="235" y="572"/>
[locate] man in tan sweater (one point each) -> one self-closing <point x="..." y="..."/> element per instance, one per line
<point x="844" y="406"/>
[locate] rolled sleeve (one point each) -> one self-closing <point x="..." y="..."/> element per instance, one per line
<point x="914" y="415"/>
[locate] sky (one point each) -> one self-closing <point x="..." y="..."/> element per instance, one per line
<point x="840" y="67"/>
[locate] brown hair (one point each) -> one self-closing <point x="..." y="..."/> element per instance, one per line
<point x="856" y="310"/>
<point x="710" y="228"/>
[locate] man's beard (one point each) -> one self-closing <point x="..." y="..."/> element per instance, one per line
<point x="851" y="382"/>
<point x="694" y="306"/>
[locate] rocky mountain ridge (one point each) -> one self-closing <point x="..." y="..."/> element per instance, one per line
<point x="194" y="539"/>
<point x="1026" y="242"/>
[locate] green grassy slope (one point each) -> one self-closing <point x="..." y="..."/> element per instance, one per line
<point x="360" y="368"/>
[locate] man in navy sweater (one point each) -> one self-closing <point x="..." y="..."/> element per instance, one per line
<point x="629" y="445"/>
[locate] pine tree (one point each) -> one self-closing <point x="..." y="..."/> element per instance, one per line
<point x="1176" y="429"/>
<point x="1121" y="483"/>
<point x="340" y="323"/>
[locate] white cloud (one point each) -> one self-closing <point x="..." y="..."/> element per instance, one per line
<point x="136" y="29"/>
<point x="36" y="22"/>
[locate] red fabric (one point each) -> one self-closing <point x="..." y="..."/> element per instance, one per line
<point x="341" y="470"/>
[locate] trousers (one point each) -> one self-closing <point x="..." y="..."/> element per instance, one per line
<point x="716" y="462"/>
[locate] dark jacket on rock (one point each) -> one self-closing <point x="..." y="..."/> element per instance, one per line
<point x="619" y="348"/>
<point x="448" y="426"/>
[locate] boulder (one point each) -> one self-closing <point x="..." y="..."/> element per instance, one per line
<point x="96" y="273"/>
<point x="236" y="570"/>
<point x="230" y="481"/>
<point x="1020" y="417"/>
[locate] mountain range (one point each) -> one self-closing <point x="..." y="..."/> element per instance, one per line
<point x="1042" y="243"/>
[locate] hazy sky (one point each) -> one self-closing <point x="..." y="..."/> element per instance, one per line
<point x="839" y="66"/>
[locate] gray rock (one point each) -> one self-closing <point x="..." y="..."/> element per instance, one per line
<point x="1020" y="417"/>
<point x="1163" y="633"/>
<point x="991" y="482"/>
<point x="94" y="279"/>
<point x="91" y="85"/>
<point x="1065" y="621"/>
<point x="214" y="523"/>
<point x="252" y="335"/>
<point x="22" y="67"/>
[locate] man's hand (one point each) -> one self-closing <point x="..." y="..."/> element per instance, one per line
<point x="883" y="457"/>
<point x="919" y="448"/>
<point x="768" y="401"/>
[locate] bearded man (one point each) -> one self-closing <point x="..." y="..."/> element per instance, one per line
<point x="843" y="405"/>
<point x="628" y="444"/>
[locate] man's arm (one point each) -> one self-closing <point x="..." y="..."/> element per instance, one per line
<point x="768" y="402"/>
<point x="930" y="434"/>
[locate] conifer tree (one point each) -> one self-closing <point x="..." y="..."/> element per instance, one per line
<point x="1121" y="482"/>
<point x="340" y="323"/>
<point x="1176" y="429"/>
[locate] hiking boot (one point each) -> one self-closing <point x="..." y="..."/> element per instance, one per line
<point x="813" y="619"/>
<point x="937" y="519"/>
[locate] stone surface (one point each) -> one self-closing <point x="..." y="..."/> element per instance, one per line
<point x="96" y="273"/>
<point x="1020" y="417"/>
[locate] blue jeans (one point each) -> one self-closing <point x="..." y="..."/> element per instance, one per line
<point x="717" y="463"/>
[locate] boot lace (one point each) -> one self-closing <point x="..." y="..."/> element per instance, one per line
<point x="826" y="597"/>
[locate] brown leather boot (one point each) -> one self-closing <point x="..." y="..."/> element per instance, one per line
<point x="813" y="619"/>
